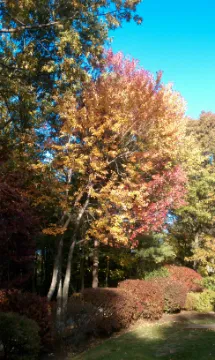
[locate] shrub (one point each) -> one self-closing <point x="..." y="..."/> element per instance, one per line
<point x="202" y="302"/>
<point x="149" y="296"/>
<point x="117" y="307"/>
<point x="32" y="306"/>
<point x="191" y="301"/>
<point x="84" y="321"/>
<point x="188" y="277"/>
<point x="209" y="282"/>
<point x="174" y="294"/>
<point x="159" y="273"/>
<point x="19" y="336"/>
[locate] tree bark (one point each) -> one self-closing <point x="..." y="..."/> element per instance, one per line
<point x="196" y="245"/>
<point x="82" y="271"/>
<point x="95" y="270"/>
<point x="59" y="320"/>
<point x="56" y="269"/>
<point x="107" y="271"/>
<point x="57" y="263"/>
<point x="66" y="283"/>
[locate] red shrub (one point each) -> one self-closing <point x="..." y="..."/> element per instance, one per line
<point x="188" y="277"/>
<point x="174" y="293"/>
<point x="32" y="306"/>
<point x="118" y="308"/>
<point x="149" y="295"/>
<point x="84" y="320"/>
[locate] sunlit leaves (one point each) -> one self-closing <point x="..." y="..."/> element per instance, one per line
<point x="124" y="139"/>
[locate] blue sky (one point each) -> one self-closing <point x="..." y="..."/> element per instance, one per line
<point x="177" y="37"/>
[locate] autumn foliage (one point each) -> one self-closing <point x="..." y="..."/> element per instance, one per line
<point x="122" y="144"/>
<point x="174" y="293"/>
<point x="18" y="225"/>
<point x="149" y="295"/>
<point x="117" y="307"/>
<point x="186" y="276"/>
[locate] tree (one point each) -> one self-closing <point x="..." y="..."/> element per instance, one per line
<point x="203" y="131"/>
<point x="193" y="230"/>
<point x="18" y="226"/>
<point x="47" y="47"/>
<point x="117" y="160"/>
<point x="152" y="253"/>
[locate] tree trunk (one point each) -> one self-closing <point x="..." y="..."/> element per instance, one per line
<point x="95" y="271"/>
<point x="57" y="263"/>
<point x="55" y="275"/>
<point x="59" y="320"/>
<point x="82" y="271"/>
<point x="196" y="245"/>
<point x="67" y="278"/>
<point x="66" y="283"/>
<point x="107" y="271"/>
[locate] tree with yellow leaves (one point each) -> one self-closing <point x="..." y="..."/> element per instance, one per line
<point x="118" y="158"/>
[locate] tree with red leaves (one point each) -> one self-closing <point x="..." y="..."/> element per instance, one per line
<point x="17" y="229"/>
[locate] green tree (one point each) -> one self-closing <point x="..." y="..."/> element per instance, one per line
<point x="193" y="231"/>
<point x="48" y="46"/>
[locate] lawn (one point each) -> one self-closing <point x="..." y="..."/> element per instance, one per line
<point x="165" y="341"/>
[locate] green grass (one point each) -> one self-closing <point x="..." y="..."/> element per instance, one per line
<point x="169" y="341"/>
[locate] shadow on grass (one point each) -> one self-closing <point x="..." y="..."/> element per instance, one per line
<point x="169" y="341"/>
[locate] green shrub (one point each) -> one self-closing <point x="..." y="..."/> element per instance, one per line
<point x="19" y="336"/>
<point x="159" y="273"/>
<point x="202" y="302"/>
<point x="33" y="306"/>
<point x="209" y="282"/>
<point x="191" y="301"/>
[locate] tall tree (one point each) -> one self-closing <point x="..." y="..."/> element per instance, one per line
<point x="118" y="159"/>
<point x="203" y="131"/>
<point x="193" y="231"/>
<point x="48" y="46"/>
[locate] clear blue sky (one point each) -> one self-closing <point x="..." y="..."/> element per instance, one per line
<point x="177" y="37"/>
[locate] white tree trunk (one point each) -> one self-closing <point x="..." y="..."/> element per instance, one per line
<point x="95" y="270"/>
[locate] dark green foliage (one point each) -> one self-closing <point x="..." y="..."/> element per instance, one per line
<point x="148" y="294"/>
<point x="153" y="252"/>
<point x="32" y="306"/>
<point x="19" y="336"/>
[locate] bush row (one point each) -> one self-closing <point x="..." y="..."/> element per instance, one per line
<point x="104" y="310"/>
